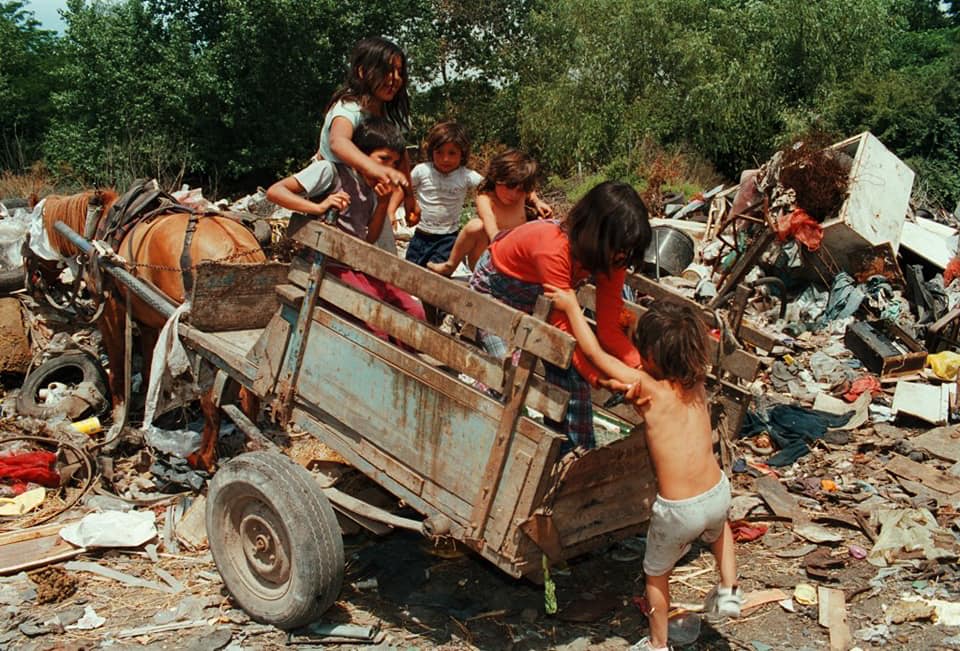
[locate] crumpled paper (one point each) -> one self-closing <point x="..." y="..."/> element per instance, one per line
<point x="111" y="529"/>
<point x="906" y="530"/>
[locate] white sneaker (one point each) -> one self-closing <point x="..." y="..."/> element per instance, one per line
<point x="645" y="645"/>
<point x="723" y="602"/>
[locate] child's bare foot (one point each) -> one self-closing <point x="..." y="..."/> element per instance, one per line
<point x="442" y="268"/>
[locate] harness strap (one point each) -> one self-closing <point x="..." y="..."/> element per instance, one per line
<point x="185" y="266"/>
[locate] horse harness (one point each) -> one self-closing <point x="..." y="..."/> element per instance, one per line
<point x="142" y="204"/>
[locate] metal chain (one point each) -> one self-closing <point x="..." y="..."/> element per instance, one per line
<point x="158" y="267"/>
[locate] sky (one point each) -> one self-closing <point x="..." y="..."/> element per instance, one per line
<point x="45" y="11"/>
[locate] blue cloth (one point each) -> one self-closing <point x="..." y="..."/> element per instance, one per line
<point x="792" y="428"/>
<point x="430" y="247"/>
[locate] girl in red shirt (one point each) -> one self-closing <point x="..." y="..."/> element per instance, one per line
<point x="605" y="233"/>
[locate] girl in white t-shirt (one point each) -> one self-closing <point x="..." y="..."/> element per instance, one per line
<point x="440" y="186"/>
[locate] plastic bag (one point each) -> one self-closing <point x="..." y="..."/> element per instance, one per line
<point x="944" y="364"/>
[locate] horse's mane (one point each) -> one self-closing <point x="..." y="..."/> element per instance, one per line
<point x="72" y="210"/>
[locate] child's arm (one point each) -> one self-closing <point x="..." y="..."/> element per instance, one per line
<point x="341" y="144"/>
<point x="544" y="210"/>
<point x="288" y="193"/>
<point x="565" y="300"/>
<point x="379" y="213"/>
<point x="487" y="217"/>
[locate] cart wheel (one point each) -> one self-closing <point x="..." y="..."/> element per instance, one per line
<point x="275" y="539"/>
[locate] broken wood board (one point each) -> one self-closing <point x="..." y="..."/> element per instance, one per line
<point x="833" y="616"/>
<point x="780" y="501"/>
<point x="923" y="474"/>
<point x="34" y="547"/>
<point x="230" y="296"/>
<point x="943" y="442"/>
<point x="757" y="598"/>
<point x="122" y="577"/>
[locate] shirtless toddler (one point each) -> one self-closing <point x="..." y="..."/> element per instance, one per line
<point x="693" y="495"/>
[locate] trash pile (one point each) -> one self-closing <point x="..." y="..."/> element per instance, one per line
<point x="834" y="304"/>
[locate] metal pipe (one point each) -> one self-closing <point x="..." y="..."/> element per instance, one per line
<point x="143" y="291"/>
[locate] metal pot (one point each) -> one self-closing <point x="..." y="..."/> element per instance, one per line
<point x="671" y="248"/>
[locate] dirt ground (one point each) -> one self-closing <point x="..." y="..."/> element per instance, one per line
<point x="419" y="599"/>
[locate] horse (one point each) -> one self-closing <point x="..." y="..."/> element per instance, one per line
<point x="153" y="248"/>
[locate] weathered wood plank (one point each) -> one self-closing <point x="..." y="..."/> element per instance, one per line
<point x="545" y="341"/>
<point x="439" y="429"/>
<point x="749" y="333"/>
<point x="515" y="393"/>
<point x="740" y="363"/>
<point x="230" y="296"/>
<point x="591" y="499"/>
<point x="923" y="474"/>
<point x="544" y="397"/>
<point x="268" y="353"/>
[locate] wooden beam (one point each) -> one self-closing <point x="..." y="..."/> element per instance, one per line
<point x="748" y="333"/>
<point x="740" y="363"/>
<point x="546" y="398"/>
<point x="486" y="312"/>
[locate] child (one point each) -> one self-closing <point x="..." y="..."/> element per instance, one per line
<point x="605" y="232"/>
<point x="376" y="85"/>
<point x="501" y="205"/>
<point x="693" y="493"/>
<point x="440" y="186"/>
<point x="360" y="200"/>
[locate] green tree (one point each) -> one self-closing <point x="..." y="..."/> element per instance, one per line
<point x="26" y="66"/>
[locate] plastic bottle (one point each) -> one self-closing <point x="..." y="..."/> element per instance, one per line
<point x="683" y="628"/>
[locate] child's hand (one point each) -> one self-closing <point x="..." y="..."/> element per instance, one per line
<point x="390" y="176"/>
<point x="564" y="300"/>
<point x="544" y="210"/>
<point x="383" y="189"/>
<point x="413" y="218"/>
<point x="337" y="201"/>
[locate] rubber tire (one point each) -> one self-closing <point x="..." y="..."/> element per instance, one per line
<point x="278" y="489"/>
<point x="89" y="369"/>
<point x="12" y="280"/>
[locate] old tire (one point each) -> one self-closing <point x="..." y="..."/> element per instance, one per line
<point x="69" y="368"/>
<point x="275" y="539"/>
<point x="12" y="280"/>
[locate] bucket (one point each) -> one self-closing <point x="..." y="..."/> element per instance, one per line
<point x="674" y="248"/>
<point x="696" y="272"/>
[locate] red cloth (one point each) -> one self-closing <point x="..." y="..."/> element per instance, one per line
<point x="539" y="252"/>
<point x="801" y="227"/>
<point x="863" y="383"/>
<point x="36" y="467"/>
<point x="744" y="531"/>
<point x="951" y="272"/>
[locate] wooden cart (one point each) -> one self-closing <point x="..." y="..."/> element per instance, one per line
<point x="477" y="469"/>
<point x="482" y="471"/>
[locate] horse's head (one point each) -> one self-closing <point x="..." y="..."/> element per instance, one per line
<point x="75" y="211"/>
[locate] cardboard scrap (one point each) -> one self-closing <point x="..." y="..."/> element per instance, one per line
<point x="860" y="406"/>
<point x="191" y="530"/>
<point x="833" y="615"/>
<point x="943" y="442"/>
<point x="923" y="474"/>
